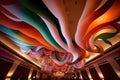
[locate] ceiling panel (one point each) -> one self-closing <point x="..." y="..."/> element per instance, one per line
<point x="59" y="35"/>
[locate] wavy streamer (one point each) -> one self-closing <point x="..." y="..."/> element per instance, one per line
<point x="25" y="29"/>
<point x="41" y="30"/>
<point x="35" y="21"/>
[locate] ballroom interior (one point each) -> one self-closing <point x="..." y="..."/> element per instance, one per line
<point x="59" y="39"/>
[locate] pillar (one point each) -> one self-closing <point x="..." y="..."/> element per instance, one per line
<point x="12" y="69"/>
<point x="30" y="74"/>
<point x="89" y="75"/>
<point x="81" y="76"/>
<point x="114" y="65"/>
<point x="99" y="71"/>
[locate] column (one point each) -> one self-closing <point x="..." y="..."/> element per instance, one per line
<point x="30" y="74"/>
<point x="89" y="75"/>
<point x="99" y="71"/>
<point x="75" y="76"/>
<point x="38" y="74"/>
<point x="12" y="69"/>
<point x="114" y="65"/>
<point x="81" y="76"/>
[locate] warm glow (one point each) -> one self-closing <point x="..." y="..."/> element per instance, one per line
<point x="12" y="69"/>
<point x="16" y="48"/>
<point x="59" y="74"/>
<point x="9" y="74"/>
<point x="118" y="73"/>
<point x="101" y="75"/>
<point x="90" y="77"/>
<point x="7" y="78"/>
<point x="40" y="32"/>
<point x="29" y="76"/>
<point x="92" y="55"/>
<point x="118" y="22"/>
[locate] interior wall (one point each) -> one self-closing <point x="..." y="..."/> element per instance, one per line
<point x="14" y="68"/>
<point x="94" y="74"/>
<point x="20" y="73"/>
<point x="108" y="72"/>
<point x="105" y="67"/>
<point x="85" y="75"/>
<point x="4" y="68"/>
<point x="34" y="74"/>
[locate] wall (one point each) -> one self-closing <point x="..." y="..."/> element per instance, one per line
<point x="106" y="67"/>
<point x="13" y="67"/>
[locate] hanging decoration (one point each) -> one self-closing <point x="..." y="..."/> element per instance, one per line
<point x="40" y="28"/>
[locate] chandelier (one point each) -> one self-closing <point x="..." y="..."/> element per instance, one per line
<point x="59" y="74"/>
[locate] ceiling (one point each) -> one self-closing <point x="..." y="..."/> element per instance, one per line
<point x="59" y="35"/>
